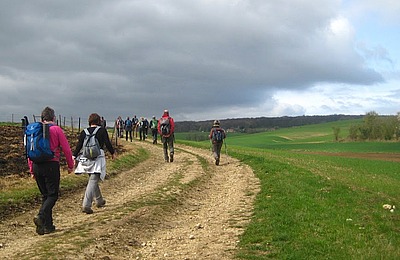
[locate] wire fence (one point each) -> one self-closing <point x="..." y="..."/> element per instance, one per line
<point x="63" y="121"/>
<point x="73" y="123"/>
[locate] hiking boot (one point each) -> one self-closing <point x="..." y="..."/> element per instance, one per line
<point x="101" y="203"/>
<point x="48" y="230"/>
<point x="216" y="161"/>
<point x="39" y="225"/>
<point x="87" y="210"/>
<point x="171" y="157"/>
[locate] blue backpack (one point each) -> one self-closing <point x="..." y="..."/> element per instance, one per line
<point x="218" y="135"/>
<point x="37" y="142"/>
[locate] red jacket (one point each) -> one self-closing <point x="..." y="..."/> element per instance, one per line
<point x="171" y="123"/>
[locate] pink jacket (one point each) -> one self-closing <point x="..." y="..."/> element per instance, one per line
<point x="58" y="143"/>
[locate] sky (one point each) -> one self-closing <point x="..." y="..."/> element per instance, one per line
<point x="201" y="60"/>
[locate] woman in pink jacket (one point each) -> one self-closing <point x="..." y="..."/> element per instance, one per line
<point x="47" y="174"/>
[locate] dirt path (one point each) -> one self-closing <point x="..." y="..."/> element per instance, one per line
<point x="188" y="209"/>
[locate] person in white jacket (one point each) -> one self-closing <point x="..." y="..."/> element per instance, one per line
<point x="95" y="168"/>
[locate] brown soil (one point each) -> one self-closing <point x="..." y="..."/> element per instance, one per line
<point x="188" y="209"/>
<point x="393" y="157"/>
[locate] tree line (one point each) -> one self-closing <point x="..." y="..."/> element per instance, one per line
<point x="261" y="124"/>
<point x="376" y="127"/>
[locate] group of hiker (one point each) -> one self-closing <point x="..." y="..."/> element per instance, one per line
<point x="134" y="127"/>
<point x="165" y="126"/>
<point x="88" y="156"/>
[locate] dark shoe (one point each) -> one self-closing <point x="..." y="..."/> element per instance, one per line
<point x="39" y="225"/>
<point x="48" y="230"/>
<point x="87" y="210"/>
<point x="217" y="162"/>
<point x="171" y="157"/>
<point x="101" y="203"/>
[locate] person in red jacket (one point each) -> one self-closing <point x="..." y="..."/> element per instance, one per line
<point x="47" y="174"/>
<point x="166" y="128"/>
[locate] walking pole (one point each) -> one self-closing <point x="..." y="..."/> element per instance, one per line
<point x="226" y="151"/>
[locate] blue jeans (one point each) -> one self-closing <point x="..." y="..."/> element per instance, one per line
<point x="47" y="176"/>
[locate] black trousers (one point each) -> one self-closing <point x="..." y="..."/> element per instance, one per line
<point x="47" y="177"/>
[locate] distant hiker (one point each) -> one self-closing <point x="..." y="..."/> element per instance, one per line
<point x="135" y="122"/>
<point x="128" y="129"/>
<point x="26" y="120"/>
<point x="154" y="130"/>
<point x="146" y="125"/>
<point x="119" y="123"/>
<point x="103" y="122"/>
<point x="217" y="136"/>
<point x="47" y="173"/>
<point x="96" y="168"/>
<point x="166" y="128"/>
<point x="142" y="127"/>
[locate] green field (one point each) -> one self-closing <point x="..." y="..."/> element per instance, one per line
<point x="313" y="205"/>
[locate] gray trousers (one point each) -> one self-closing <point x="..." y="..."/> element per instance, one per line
<point x="168" y="144"/>
<point x="216" y="148"/>
<point x="92" y="192"/>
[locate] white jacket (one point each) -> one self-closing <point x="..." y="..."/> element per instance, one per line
<point x="86" y="165"/>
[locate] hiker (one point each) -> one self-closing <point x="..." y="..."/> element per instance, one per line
<point x="142" y="127"/>
<point x="128" y="129"/>
<point x="47" y="173"/>
<point x="154" y="130"/>
<point x="103" y="122"/>
<point x="119" y="123"/>
<point x="95" y="168"/>
<point x="135" y="122"/>
<point x="121" y="127"/>
<point x="166" y="127"/>
<point x="146" y="126"/>
<point x="217" y="136"/>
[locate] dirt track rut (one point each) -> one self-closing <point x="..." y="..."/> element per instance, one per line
<point x="188" y="209"/>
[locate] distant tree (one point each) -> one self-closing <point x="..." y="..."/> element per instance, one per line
<point x="354" y="132"/>
<point x="369" y="129"/>
<point x="336" y="131"/>
<point x="375" y="127"/>
<point x="390" y="126"/>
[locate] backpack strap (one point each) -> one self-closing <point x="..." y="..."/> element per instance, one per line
<point x="88" y="134"/>
<point x="95" y="130"/>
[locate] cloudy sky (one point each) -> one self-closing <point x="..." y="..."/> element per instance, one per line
<point x="200" y="59"/>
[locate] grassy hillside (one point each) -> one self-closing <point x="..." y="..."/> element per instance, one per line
<point x="313" y="205"/>
<point x="319" y="137"/>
